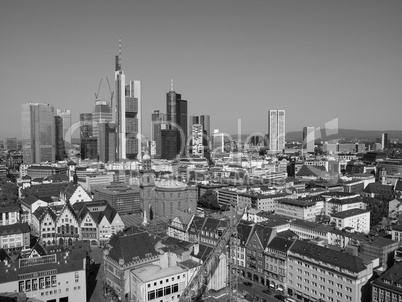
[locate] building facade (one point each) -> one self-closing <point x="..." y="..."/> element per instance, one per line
<point x="38" y="133"/>
<point x="276" y="130"/>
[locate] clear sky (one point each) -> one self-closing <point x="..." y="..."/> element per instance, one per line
<point x="318" y="60"/>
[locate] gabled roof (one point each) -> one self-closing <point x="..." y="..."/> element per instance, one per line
<point x="41" y="212"/>
<point x="203" y="252"/>
<point x="109" y="213"/>
<point x="29" y="200"/>
<point x="197" y="223"/>
<point x="309" y="170"/>
<point x="16" y="228"/>
<point x="67" y="206"/>
<point x="212" y="225"/>
<point x="129" y="247"/>
<point x="263" y="233"/>
<point x="69" y="190"/>
<point x="39" y="249"/>
<point x="4" y="255"/>
<point x="326" y="255"/>
<point x="280" y="244"/>
<point x="244" y="230"/>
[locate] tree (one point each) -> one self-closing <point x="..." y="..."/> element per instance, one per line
<point x="209" y="200"/>
<point x="8" y="192"/>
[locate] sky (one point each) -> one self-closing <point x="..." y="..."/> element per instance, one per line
<point x="318" y="60"/>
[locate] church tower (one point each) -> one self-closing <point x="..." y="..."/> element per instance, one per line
<point x="147" y="193"/>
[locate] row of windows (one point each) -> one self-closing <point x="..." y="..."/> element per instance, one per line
<point x="166" y="281"/>
<point x="32" y="284"/>
<point x="322" y="295"/>
<point x="164" y="291"/>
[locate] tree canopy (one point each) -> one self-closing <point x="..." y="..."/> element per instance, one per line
<point x="8" y="192"/>
<point x="209" y="200"/>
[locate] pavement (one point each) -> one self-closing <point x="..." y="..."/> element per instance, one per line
<point x="94" y="280"/>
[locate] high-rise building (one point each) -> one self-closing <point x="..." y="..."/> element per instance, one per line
<point x="133" y="119"/>
<point x="276" y="130"/>
<point x="169" y="143"/>
<point x="384" y="141"/>
<point x="86" y="126"/>
<point x="205" y="121"/>
<point x="308" y="139"/>
<point x="11" y="143"/>
<point x="120" y="104"/>
<point x="158" y="123"/>
<point x="59" y="140"/>
<point x="38" y="133"/>
<point x="101" y="113"/>
<point x="66" y="124"/>
<point x="197" y="139"/>
<point x="89" y="148"/>
<point x="107" y="142"/>
<point x="176" y="111"/>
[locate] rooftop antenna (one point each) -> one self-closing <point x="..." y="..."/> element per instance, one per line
<point x="171" y="85"/>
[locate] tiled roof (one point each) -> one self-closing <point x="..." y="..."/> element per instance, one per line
<point x="73" y="262"/>
<point x="39" y="249"/>
<point x="48" y="190"/>
<point x="203" y="252"/>
<point x="297" y="202"/>
<point x="243" y="230"/>
<point x="376" y="187"/>
<point x="16" y="228"/>
<point x="398" y="185"/>
<point x="131" y="246"/>
<point x="11" y="208"/>
<point x="40" y="213"/>
<point x="3" y="255"/>
<point x="29" y="200"/>
<point x="391" y="279"/>
<point x="280" y="244"/>
<point x="309" y="170"/>
<point x="70" y="189"/>
<point x="349" y="213"/>
<point x="335" y="258"/>
<point x="263" y="233"/>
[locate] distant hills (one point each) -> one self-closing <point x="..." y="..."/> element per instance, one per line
<point x="344" y="134"/>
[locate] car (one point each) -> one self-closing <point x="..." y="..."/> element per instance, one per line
<point x="267" y="291"/>
<point x="280" y="297"/>
<point x="248" y="283"/>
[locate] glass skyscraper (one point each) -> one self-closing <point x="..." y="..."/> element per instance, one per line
<point x="38" y="133"/>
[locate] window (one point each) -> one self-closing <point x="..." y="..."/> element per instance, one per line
<point x="151" y="295"/>
<point x="41" y="283"/>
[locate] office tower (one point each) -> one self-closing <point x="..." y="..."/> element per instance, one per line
<point x="133" y="119"/>
<point x="308" y="139"/>
<point x="176" y="111"/>
<point x="89" y="148"/>
<point x="11" y="143"/>
<point x="119" y="107"/>
<point x="197" y="139"/>
<point x="276" y="130"/>
<point x="107" y="142"/>
<point x="384" y="141"/>
<point x="218" y="141"/>
<point x="38" y="133"/>
<point x="66" y="123"/>
<point x="204" y="120"/>
<point x="169" y="143"/>
<point x="101" y="113"/>
<point x="59" y="140"/>
<point x="86" y="127"/>
<point x="158" y="123"/>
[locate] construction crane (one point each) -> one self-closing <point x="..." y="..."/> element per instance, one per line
<point x="111" y="92"/>
<point x="197" y="285"/>
<point x="97" y="93"/>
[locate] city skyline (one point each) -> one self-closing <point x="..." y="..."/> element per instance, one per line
<point x="335" y="59"/>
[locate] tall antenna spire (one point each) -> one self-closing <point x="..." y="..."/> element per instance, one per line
<point x="171" y="85"/>
<point x="120" y="52"/>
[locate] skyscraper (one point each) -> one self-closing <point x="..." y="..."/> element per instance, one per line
<point x="101" y="113"/>
<point x="308" y="139"/>
<point x="197" y="139"/>
<point x="276" y="130"/>
<point x="59" y="140"/>
<point x="66" y="123"/>
<point x="120" y="107"/>
<point x="38" y="133"/>
<point x="107" y="142"/>
<point x="86" y="127"/>
<point x="133" y="119"/>
<point x="158" y="123"/>
<point x="176" y="111"/>
<point x="204" y="120"/>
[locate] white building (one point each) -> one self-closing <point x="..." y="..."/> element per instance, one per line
<point x="357" y="220"/>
